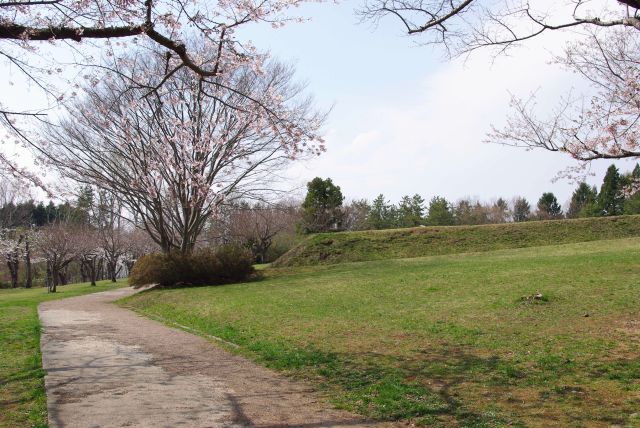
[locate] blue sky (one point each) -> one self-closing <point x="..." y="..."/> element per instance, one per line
<point x="406" y="120"/>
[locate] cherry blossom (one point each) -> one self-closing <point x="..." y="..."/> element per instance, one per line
<point x="175" y="152"/>
<point x="603" y="126"/>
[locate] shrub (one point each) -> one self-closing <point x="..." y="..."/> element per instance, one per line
<point x="226" y="265"/>
<point x="235" y="261"/>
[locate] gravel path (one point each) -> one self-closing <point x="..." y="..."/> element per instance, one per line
<point x="108" y="367"/>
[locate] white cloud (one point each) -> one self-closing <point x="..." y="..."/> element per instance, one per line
<point x="364" y="141"/>
<point x="426" y="136"/>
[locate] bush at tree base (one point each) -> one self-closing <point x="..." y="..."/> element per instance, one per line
<point x="227" y="265"/>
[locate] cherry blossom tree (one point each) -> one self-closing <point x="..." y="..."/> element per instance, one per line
<point x="58" y="247"/>
<point x="31" y="239"/>
<point x="114" y="247"/>
<point x="602" y="126"/>
<point x="174" y="149"/>
<point x="16" y="245"/>
<point x="88" y="252"/>
<point x="462" y="26"/>
<point x="605" y="126"/>
<point x="138" y="243"/>
<point x="11" y="244"/>
<point x="33" y="33"/>
<point x="110" y="233"/>
<point x="256" y="226"/>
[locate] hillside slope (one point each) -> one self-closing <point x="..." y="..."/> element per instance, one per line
<point x="341" y="247"/>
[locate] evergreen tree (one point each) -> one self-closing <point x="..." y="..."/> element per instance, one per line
<point x="521" y="209"/>
<point x="53" y="213"/>
<point x="591" y="208"/>
<point x="393" y="217"/>
<point x="417" y="206"/>
<point x="632" y="203"/>
<point x="462" y="212"/>
<point x="84" y="205"/>
<point x="404" y="212"/>
<point x="440" y="212"/>
<point x="321" y="209"/>
<point x="582" y="200"/>
<point x="410" y="211"/>
<point x="548" y="207"/>
<point x="382" y="213"/>
<point x="499" y="212"/>
<point x="611" y="199"/>
<point x="39" y="215"/>
<point x="65" y="212"/>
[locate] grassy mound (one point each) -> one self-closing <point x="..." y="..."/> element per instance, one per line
<point x="330" y="248"/>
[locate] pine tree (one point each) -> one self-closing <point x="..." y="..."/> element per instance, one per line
<point x="410" y="211"/>
<point x="581" y="200"/>
<point x="548" y="207"/>
<point x="440" y="212"/>
<point x="632" y="203"/>
<point x="84" y="204"/>
<point x="39" y="215"/>
<point x="611" y="199"/>
<point x="521" y="209"/>
<point x="405" y="216"/>
<point x="380" y="216"/>
<point x="321" y="209"/>
<point x="462" y="212"/>
<point x="499" y="212"/>
<point x="417" y="206"/>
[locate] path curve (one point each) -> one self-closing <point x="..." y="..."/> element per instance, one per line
<point x="108" y="367"/>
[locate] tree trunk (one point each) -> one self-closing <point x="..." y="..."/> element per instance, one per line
<point x="129" y="264"/>
<point x="100" y="270"/>
<point x="84" y="276"/>
<point x="28" y="280"/>
<point x="92" y="271"/>
<point x="52" y="277"/>
<point x="62" y="274"/>
<point x="113" y="272"/>
<point x="262" y="248"/>
<point x="13" y="264"/>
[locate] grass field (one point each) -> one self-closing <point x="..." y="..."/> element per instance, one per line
<point x="444" y="340"/>
<point x="23" y="402"/>
<point x="328" y="248"/>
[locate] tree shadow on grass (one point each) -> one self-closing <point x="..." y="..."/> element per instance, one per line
<point x="447" y="386"/>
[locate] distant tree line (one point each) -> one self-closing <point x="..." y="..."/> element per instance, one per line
<point x="80" y="241"/>
<point x="32" y="214"/>
<point x="324" y="208"/>
<point x="87" y="240"/>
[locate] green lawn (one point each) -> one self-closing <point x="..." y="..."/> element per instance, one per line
<point x="444" y="340"/>
<point x="23" y="402"/>
<point x="330" y="248"/>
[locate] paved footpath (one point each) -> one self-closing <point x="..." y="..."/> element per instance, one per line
<point x="108" y="367"/>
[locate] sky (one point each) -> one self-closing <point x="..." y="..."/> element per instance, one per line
<point x="403" y="118"/>
<point x="407" y="120"/>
